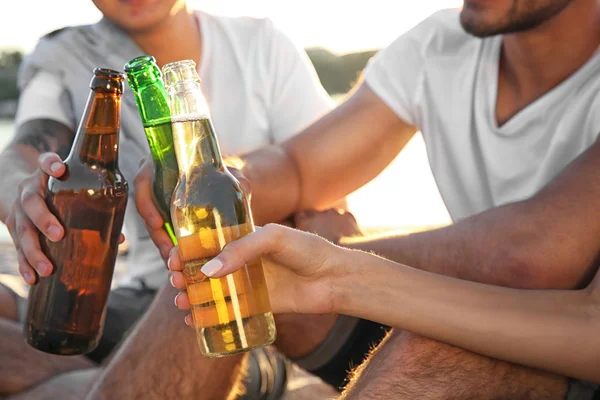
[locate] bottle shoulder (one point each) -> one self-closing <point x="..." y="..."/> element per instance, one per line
<point x="80" y="176"/>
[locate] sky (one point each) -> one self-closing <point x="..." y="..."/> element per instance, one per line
<point x="339" y="25"/>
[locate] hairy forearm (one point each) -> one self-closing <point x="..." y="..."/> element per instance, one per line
<point x="328" y="160"/>
<point x="518" y="245"/>
<point x="551" y="330"/>
<point x="275" y="184"/>
<point x="20" y="156"/>
<point x="161" y="359"/>
<point x="20" y="168"/>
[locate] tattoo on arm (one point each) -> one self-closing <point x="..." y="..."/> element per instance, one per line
<point x="45" y="135"/>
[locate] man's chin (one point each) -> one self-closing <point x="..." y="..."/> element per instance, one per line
<point x="473" y="23"/>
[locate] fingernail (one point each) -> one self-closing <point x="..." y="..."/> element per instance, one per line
<point x="169" y="263"/>
<point x="54" y="232"/>
<point x="186" y="321"/>
<point x="55" y="166"/>
<point x="171" y="280"/>
<point x="28" y="276"/>
<point x="212" y="267"/>
<point x="176" y="297"/>
<point x="43" y="268"/>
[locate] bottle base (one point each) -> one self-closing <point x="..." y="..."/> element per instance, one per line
<point x="60" y="342"/>
<point x="232" y="338"/>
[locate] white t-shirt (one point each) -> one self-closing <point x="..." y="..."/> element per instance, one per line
<point x="261" y="89"/>
<point x="444" y="81"/>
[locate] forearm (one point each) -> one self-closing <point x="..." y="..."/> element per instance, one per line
<point x="328" y="160"/>
<point x="161" y="359"/>
<point x="551" y="330"/>
<point x="518" y="245"/>
<point x="20" y="167"/>
<point x="20" y="157"/>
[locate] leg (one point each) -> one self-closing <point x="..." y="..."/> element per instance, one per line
<point x="8" y="304"/>
<point x="70" y="386"/>
<point x="406" y="366"/>
<point x="23" y="367"/>
<point x="161" y="359"/>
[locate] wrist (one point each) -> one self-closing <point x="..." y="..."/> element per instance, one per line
<point x="343" y="280"/>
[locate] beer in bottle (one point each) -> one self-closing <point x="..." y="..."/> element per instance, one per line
<point x="66" y="309"/>
<point x="152" y="100"/>
<point x="210" y="209"/>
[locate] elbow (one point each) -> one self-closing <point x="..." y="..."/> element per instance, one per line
<point x="530" y="269"/>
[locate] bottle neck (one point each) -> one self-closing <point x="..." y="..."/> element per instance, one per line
<point x="196" y="145"/>
<point x="97" y="140"/>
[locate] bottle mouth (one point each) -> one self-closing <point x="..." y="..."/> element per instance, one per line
<point x="138" y="63"/>
<point x="178" y="72"/>
<point x="179" y="64"/>
<point x="107" y="73"/>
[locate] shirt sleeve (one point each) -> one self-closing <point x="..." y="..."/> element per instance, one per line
<point x="44" y="97"/>
<point x="297" y="97"/>
<point x="396" y="72"/>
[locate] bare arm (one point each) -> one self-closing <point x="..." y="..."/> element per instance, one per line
<point x="20" y="157"/>
<point x="549" y="241"/>
<point x="328" y="160"/>
<point x="553" y="330"/>
<point x="22" y="205"/>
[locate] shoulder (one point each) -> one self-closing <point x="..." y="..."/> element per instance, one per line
<point x="251" y="31"/>
<point x="441" y="33"/>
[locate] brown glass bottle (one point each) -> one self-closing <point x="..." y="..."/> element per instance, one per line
<point x="66" y="310"/>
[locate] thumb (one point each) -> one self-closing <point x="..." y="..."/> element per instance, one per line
<point x="235" y="255"/>
<point x="51" y="164"/>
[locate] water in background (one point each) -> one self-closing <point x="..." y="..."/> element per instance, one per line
<point x="404" y="196"/>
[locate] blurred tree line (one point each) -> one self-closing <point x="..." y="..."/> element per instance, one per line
<point x="337" y="72"/>
<point x="9" y="64"/>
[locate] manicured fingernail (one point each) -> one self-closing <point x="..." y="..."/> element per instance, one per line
<point x="54" y="232"/>
<point x="43" y="268"/>
<point x="171" y="280"/>
<point x="28" y="276"/>
<point x="176" y="297"/>
<point x="212" y="267"/>
<point x="55" y="166"/>
<point x="169" y="264"/>
<point x="186" y="321"/>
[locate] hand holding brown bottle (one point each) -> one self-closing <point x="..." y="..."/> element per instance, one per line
<point x="30" y="216"/>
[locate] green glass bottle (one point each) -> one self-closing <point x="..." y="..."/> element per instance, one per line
<point x="152" y="100"/>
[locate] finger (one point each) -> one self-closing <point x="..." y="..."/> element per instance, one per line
<point x="161" y="239"/>
<point x="25" y="269"/>
<point x="189" y="320"/>
<point x="121" y="239"/>
<point x="29" y="244"/>
<point x="174" y="262"/>
<point x="144" y="197"/>
<point x="37" y="211"/>
<point x="244" y="182"/>
<point x="176" y="279"/>
<point x="51" y="164"/>
<point x="182" y="301"/>
<point x="235" y="255"/>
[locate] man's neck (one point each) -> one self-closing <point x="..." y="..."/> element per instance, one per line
<point x="534" y="62"/>
<point x="177" y="37"/>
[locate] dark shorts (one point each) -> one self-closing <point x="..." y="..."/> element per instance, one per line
<point x="125" y="307"/>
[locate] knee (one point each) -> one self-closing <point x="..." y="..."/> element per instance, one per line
<point x="8" y="304"/>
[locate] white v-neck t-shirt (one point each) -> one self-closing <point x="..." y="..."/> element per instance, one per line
<point x="444" y="81"/>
